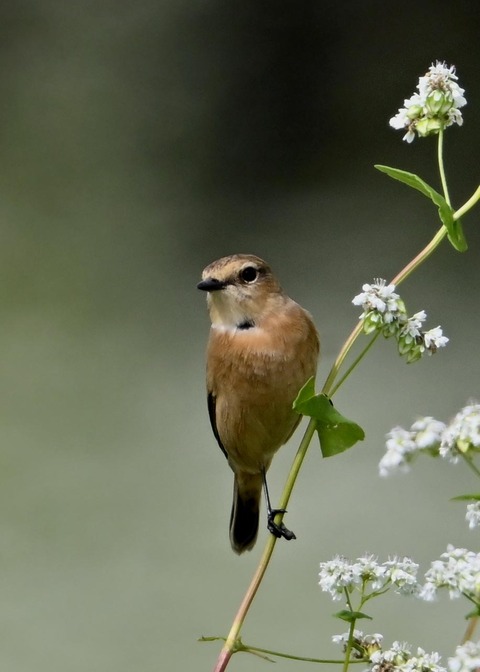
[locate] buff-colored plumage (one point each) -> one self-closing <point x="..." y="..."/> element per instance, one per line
<point x="262" y="348"/>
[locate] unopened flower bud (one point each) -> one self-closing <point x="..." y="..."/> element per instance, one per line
<point x="372" y="322"/>
<point x="414" y="112"/>
<point x="428" y="126"/>
<point x="439" y="102"/>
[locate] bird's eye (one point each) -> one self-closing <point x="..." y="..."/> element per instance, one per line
<point x="249" y="274"/>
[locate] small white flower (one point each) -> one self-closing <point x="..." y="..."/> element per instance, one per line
<point x="412" y="327"/>
<point x="340" y="639"/>
<point x="466" y="659"/>
<point x="424" y="662"/>
<point x="403" y="575"/>
<point x="392" y="658"/>
<point x="463" y="433"/>
<point x="455" y="117"/>
<point x="364" y="645"/>
<point x="372" y="642"/>
<point x="428" y="592"/>
<point x="409" y="135"/>
<point x="473" y="515"/>
<point x="434" y="339"/>
<point x="378" y="296"/>
<point x="368" y="569"/>
<point x="343" y="638"/>
<point x="400" y="448"/>
<point x="406" y="116"/>
<point x="428" y="432"/>
<point x="337" y="575"/>
<point x="383" y="309"/>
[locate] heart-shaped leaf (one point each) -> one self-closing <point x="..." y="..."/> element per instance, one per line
<point x="335" y="432"/>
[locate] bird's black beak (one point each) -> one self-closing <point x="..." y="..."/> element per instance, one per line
<point x="211" y="285"/>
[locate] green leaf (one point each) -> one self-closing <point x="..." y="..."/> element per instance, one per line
<point x="410" y="179"/>
<point x="473" y="614"/>
<point x="466" y="498"/>
<point x="351" y="616"/>
<point x="306" y="393"/>
<point x="445" y="211"/>
<point x="335" y="432"/>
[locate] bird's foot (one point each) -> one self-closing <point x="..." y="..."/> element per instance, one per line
<point x="278" y="529"/>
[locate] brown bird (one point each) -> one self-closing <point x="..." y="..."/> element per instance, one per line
<point x="262" y="348"/>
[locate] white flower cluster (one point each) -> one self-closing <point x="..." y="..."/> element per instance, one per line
<point x="466" y="659"/>
<point x="384" y="310"/>
<point x="458" y="570"/>
<point x="427" y="435"/>
<point x="436" y="105"/>
<point x="338" y="575"/>
<point x="403" y="445"/>
<point x="398" y="658"/>
<point x="463" y="433"/>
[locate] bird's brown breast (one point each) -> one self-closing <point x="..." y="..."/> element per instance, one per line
<point x="254" y="375"/>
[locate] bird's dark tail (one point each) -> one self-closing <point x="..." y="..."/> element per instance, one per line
<point x="247" y="490"/>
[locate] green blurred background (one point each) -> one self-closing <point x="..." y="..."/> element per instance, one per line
<point x="139" y="142"/>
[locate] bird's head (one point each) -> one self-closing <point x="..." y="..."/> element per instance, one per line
<point x="241" y="289"/>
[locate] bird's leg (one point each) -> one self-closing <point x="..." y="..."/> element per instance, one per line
<point x="277" y="529"/>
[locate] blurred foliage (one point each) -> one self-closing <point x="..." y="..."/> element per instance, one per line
<point x="140" y="141"/>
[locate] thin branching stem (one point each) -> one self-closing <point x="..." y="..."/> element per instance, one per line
<point x="348" y="650"/>
<point x="354" y="364"/>
<point x="441" y="166"/>
<point x="470" y="629"/>
<point x="325" y="661"/>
